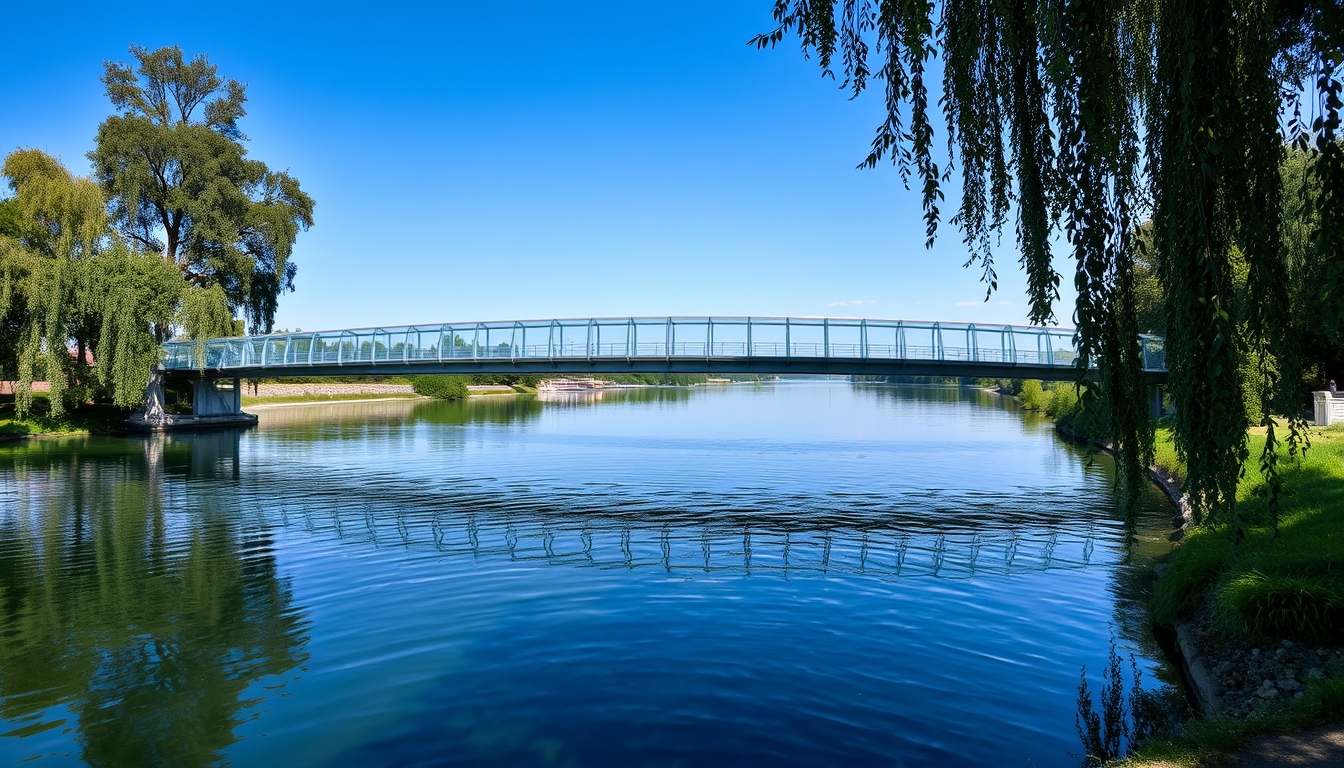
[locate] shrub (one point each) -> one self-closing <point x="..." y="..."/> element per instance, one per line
<point x="1273" y="605"/>
<point x="1031" y="395"/>
<point x="1061" y="401"/>
<point x="441" y="387"/>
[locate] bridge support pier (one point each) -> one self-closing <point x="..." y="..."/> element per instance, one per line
<point x="213" y="404"/>
<point x="1155" y="394"/>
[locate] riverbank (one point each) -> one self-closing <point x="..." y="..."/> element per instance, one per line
<point x="1259" y="628"/>
<point x="1265" y="620"/>
<point x="93" y="419"/>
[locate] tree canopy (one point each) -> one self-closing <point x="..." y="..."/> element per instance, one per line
<point x="1091" y="117"/>
<point x="173" y="163"/>
<point x="175" y="234"/>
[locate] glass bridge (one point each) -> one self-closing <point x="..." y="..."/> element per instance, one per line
<point x="779" y="345"/>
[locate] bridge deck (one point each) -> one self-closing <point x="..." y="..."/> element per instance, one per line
<point x="771" y="345"/>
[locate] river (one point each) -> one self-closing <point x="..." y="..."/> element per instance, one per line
<point x="798" y="573"/>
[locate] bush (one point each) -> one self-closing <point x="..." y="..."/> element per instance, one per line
<point x="1270" y="606"/>
<point x="442" y="387"/>
<point x="1031" y="395"/>
<point x="1061" y="401"/>
<point x="506" y="379"/>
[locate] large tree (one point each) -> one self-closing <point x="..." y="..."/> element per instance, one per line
<point x="1091" y="116"/>
<point x="69" y="287"/>
<point x="174" y="165"/>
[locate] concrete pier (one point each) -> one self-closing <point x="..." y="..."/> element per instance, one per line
<point x="214" y="403"/>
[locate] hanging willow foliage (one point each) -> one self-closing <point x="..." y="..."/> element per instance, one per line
<point x="1092" y="116"/>
<point x="68" y="284"/>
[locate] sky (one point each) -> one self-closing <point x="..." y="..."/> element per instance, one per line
<point x="493" y="161"/>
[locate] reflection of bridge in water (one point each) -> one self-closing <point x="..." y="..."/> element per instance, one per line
<point x="702" y="547"/>
<point x="756" y="529"/>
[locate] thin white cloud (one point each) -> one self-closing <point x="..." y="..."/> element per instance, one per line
<point x="854" y="303"/>
<point x="968" y="303"/>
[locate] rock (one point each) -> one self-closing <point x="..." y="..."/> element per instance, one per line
<point x="1287" y="643"/>
<point x="1255" y="651"/>
<point x="1315" y="673"/>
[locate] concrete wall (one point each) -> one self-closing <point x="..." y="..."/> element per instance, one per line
<point x="1327" y="408"/>
<point x="216" y="397"/>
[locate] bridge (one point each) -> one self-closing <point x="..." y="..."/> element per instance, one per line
<point x="585" y="346"/>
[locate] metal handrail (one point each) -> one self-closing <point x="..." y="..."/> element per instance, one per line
<point x="635" y="338"/>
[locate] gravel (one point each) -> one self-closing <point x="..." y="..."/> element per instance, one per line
<point x="1251" y="676"/>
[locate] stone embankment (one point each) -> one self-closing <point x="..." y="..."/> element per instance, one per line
<point x="294" y="390"/>
<point x="1235" y="676"/>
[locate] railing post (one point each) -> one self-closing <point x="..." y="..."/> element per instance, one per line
<point x="863" y="339"/>
<point x="671" y="339"/>
<point x="938" y="341"/>
<point x="788" y="342"/>
<point x="826" y="337"/>
<point x="748" y="336"/>
<point x="709" y="337"/>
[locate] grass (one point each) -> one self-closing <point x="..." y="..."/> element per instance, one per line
<point x="1208" y="742"/>
<point x="280" y="399"/>
<point x="97" y="418"/>
<point x="1268" y="588"/>
<point x="1265" y="589"/>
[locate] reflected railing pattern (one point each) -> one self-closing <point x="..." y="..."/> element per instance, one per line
<point x="648" y="339"/>
<point x="707" y="548"/>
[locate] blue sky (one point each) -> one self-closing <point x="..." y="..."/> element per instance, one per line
<point x="492" y="161"/>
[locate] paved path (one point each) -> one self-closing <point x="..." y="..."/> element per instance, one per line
<point x="1309" y="749"/>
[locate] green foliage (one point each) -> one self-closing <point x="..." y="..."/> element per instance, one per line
<point x="1031" y="395"/>
<point x="98" y="418"/>
<point x="1061" y="401"/>
<point x="1272" y="587"/>
<point x="56" y="220"/>
<point x="506" y="379"/>
<point x="138" y="292"/>
<point x="173" y="163"/>
<point x="1307" y="607"/>
<point x="1079" y="116"/>
<point x="201" y="232"/>
<point x="441" y="387"/>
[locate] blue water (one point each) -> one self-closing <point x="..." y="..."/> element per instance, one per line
<point x="803" y="573"/>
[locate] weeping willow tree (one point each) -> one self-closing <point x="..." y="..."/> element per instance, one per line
<point x="1092" y="118"/>
<point x="70" y="289"/>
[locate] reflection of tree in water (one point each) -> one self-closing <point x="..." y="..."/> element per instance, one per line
<point x="148" y="624"/>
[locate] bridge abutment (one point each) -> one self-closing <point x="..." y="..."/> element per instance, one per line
<point x="214" y="403"/>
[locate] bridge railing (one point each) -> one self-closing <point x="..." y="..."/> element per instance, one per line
<point x="644" y="338"/>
